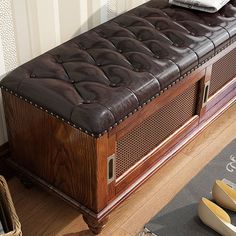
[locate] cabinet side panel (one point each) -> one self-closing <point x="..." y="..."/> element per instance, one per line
<point x="52" y="150"/>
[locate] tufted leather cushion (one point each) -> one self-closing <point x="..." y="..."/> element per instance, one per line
<point x="99" y="78"/>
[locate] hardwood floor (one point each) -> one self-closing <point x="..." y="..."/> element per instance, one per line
<point x="45" y="215"/>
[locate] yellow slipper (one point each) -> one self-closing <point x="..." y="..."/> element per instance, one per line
<point x="216" y="218"/>
<point x="224" y="195"/>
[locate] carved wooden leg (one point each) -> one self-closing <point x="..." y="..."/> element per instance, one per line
<point x="94" y="225"/>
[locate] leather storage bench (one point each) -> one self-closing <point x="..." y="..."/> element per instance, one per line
<point x="93" y="118"/>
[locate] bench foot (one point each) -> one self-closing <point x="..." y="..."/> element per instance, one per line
<point x="94" y="225"/>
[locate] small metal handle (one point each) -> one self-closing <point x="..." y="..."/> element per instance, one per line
<point x="206" y="93"/>
<point x="111" y="167"/>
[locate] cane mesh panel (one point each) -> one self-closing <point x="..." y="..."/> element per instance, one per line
<point x="223" y="71"/>
<point x="150" y="133"/>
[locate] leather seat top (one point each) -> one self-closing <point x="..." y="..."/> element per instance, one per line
<point x="101" y="77"/>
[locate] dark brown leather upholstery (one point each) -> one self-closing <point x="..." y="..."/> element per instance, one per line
<point x="97" y="79"/>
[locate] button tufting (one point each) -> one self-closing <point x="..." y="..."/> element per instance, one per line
<point x="113" y="85"/>
<point x="59" y="60"/>
<point x="86" y="102"/>
<point x="83" y="47"/>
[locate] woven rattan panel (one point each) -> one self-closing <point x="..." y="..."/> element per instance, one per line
<point x="223" y="71"/>
<point x="155" y="129"/>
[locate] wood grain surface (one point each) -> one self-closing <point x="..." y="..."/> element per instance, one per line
<point x="57" y="153"/>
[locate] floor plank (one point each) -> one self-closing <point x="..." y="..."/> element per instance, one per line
<point x="44" y="214"/>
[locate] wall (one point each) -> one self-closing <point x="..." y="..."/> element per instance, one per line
<point x="30" y="27"/>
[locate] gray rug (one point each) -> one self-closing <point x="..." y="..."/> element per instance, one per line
<point x="179" y="217"/>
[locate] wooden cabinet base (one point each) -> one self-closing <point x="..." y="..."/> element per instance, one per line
<point x="96" y="174"/>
